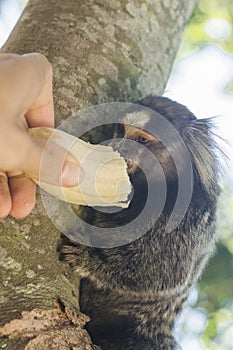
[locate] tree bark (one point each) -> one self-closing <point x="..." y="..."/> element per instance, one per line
<point x="101" y="51"/>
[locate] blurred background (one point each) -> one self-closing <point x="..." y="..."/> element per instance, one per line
<point x="201" y="79"/>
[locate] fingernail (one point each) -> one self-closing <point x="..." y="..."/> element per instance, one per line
<point x="72" y="175"/>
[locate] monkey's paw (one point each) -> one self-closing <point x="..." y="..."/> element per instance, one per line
<point x="75" y="255"/>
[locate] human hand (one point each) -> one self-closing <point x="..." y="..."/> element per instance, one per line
<point x="26" y="92"/>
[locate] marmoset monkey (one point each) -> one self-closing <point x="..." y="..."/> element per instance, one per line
<point x="134" y="292"/>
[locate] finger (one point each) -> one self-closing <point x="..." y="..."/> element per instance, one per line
<point x="22" y="81"/>
<point x="48" y="162"/>
<point x="41" y="113"/>
<point x="23" y="194"/>
<point x="57" y="165"/>
<point x="41" y="160"/>
<point x="5" y="196"/>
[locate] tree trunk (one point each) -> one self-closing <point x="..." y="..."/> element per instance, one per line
<point x="101" y="51"/>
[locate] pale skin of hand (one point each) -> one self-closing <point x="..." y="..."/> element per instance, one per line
<point x="26" y="93"/>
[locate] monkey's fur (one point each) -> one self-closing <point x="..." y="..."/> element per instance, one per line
<point x="134" y="292"/>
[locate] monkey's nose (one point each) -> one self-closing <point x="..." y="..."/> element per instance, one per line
<point x="118" y="145"/>
<point x="113" y="143"/>
<point x="124" y="150"/>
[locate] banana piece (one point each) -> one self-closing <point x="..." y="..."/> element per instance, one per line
<point x="106" y="182"/>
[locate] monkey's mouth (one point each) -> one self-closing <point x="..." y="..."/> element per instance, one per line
<point x="131" y="167"/>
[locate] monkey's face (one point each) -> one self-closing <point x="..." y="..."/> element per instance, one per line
<point x="133" y="154"/>
<point x="144" y="155"/>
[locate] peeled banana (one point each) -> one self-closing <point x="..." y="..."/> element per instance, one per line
<point x="106" y="182"/>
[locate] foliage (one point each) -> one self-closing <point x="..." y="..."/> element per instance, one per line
<point x="212" y="22"/>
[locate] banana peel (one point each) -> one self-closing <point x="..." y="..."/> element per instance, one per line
<point x="106" y="182"/>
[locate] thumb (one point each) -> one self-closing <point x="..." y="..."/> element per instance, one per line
<point x="50" y="163"/>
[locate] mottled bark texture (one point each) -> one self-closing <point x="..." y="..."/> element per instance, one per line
<point x="101" y="51"/>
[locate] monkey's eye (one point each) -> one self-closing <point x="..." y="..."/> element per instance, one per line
<point x="142" y="139"/>
<point x="120" y="129"/>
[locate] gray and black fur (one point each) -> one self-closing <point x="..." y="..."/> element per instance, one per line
<point x="133" y="293"/>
